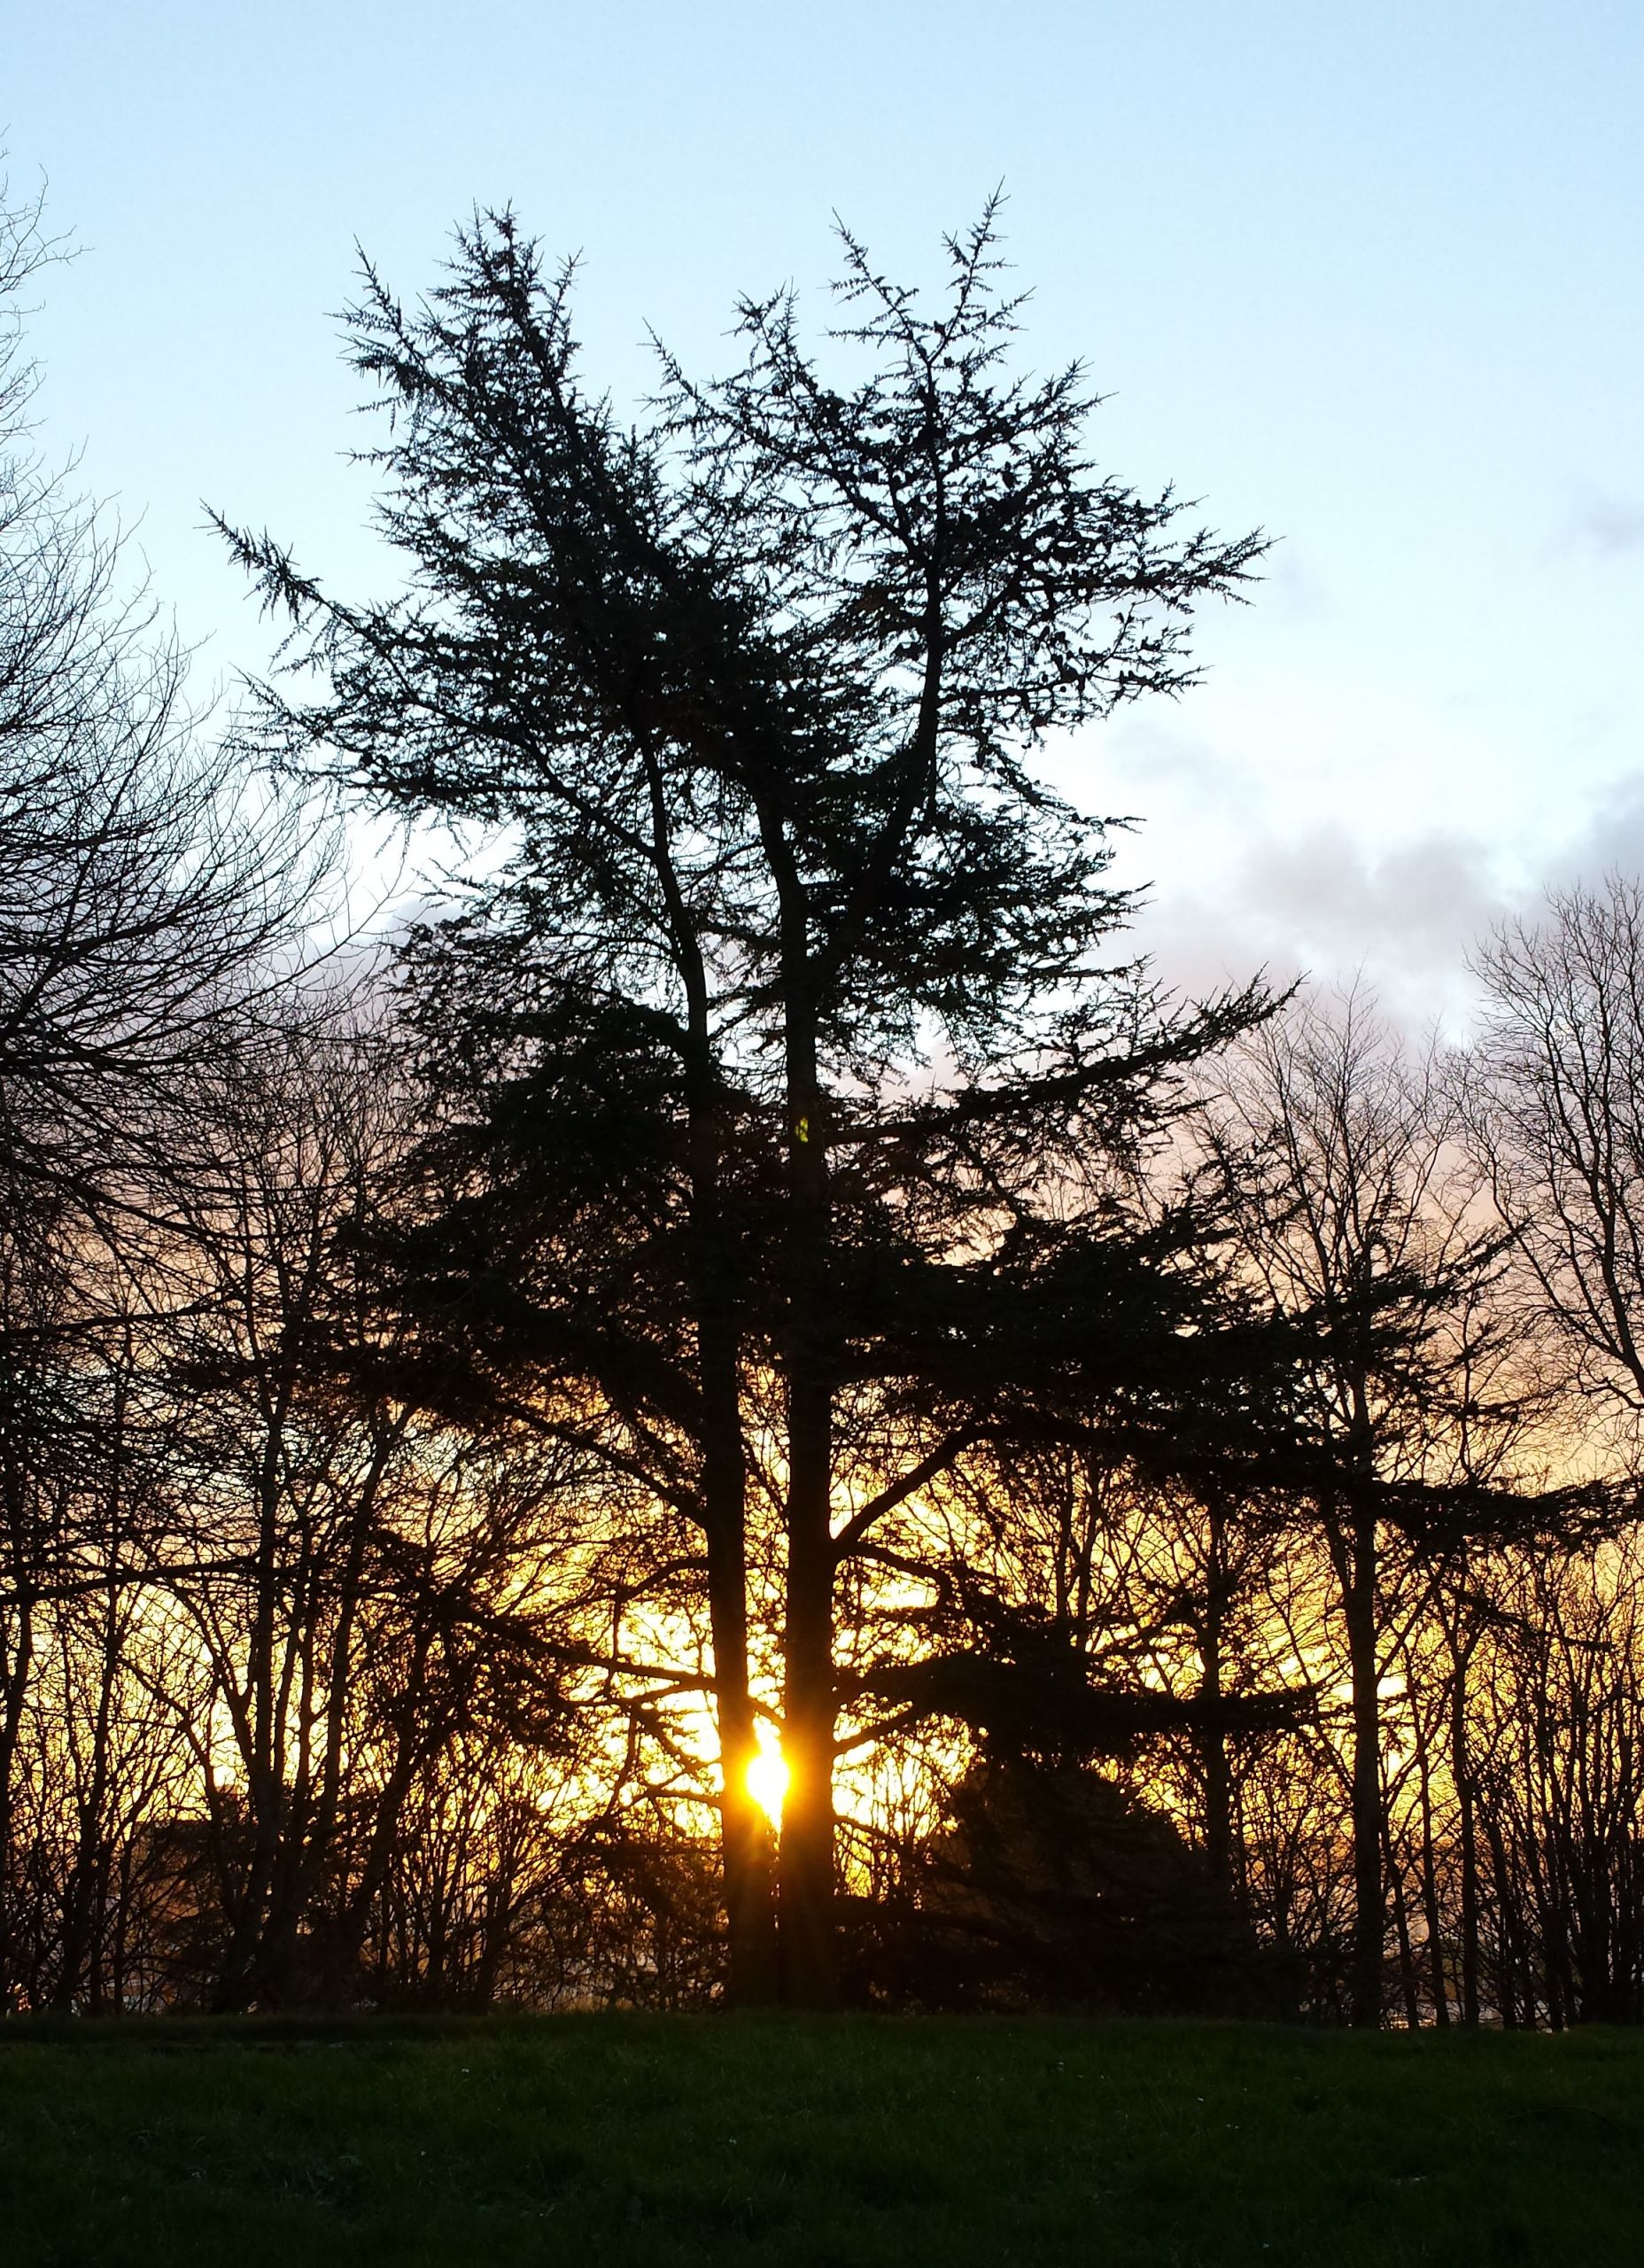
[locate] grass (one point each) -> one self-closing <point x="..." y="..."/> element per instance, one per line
<point x="821" y="2143"/>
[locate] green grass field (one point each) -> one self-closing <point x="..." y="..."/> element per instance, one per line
<point x="618" y="2139"/>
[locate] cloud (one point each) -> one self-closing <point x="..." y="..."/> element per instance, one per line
<point x="1323" y="904"/>
<point x="1604" y="527"/>
<point x="1342" y="899"/>
<point x="1610" y="842"/>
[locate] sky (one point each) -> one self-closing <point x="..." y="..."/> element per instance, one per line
<point x="1367" y="277"/>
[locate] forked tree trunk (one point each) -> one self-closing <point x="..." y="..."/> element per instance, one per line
<point x="745" y="1850"/>
<point x="744" y="1833"/>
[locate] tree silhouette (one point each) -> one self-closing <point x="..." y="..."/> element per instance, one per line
<point x="755" y="689"/>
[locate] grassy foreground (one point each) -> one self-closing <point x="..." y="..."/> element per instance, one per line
<point x="618" y="2139"/>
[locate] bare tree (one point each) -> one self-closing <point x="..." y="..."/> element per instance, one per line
<point x="1357" y="1212"/>
<point x="147" y="887"/>
<point x="1554" y="1095"/>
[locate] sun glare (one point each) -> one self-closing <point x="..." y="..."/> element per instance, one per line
<point x="767" y="1776"/>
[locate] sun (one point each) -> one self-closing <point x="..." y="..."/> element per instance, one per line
<point x="766" y="1775"/>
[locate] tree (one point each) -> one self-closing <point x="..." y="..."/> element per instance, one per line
<point x="754" y="689"/>
<point x="1553" y="1094"/>
<point x="144" y="885"/>
<point x="1356" y="1212"/>
<point x="144" y="892"/>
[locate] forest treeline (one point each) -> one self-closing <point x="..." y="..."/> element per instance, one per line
<point x="755" y="1282"/>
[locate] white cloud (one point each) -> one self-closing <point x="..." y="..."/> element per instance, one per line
<point x="1606" y="525"/>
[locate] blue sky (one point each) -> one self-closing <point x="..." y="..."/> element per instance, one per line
<point x="1367" y="275"/>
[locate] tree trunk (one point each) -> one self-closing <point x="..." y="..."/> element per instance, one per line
<point x="745" y="1835"/>
<point x="1369" y="1914"/>
<point x="16" y="1662"/>
<point x="1213" y="1736"/>
<point x="1462" y="1771"/>
<point x="1506" y="1984"/>
<point x="752" y="1979"/>
<point x="808" y="1963"/>
<point x="1409" y="1983"/>
<point x="809" y="1968"/>
<point x="1431" y="1915"/>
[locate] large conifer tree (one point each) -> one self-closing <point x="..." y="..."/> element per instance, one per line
<point x="789" y="1044"/>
